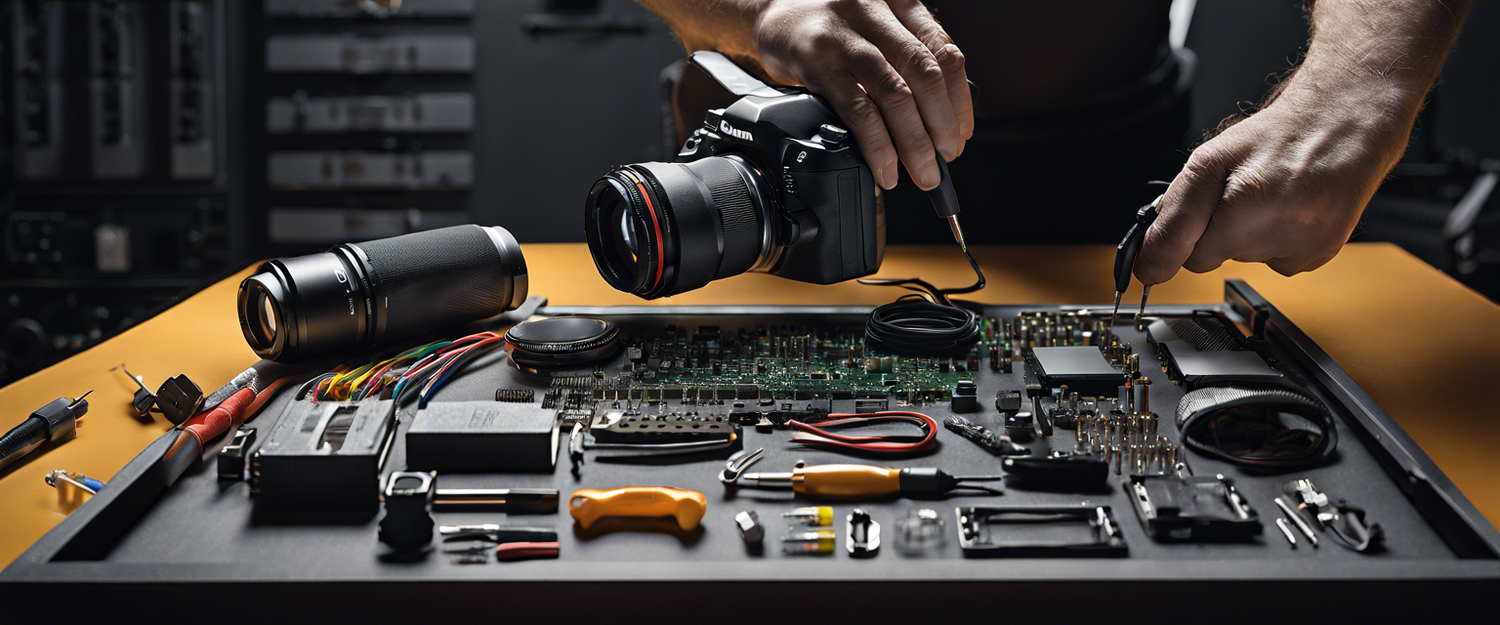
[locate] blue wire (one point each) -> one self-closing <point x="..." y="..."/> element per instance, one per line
<point x="467" y="356"/>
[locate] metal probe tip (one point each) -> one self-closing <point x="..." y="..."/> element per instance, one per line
<point x="1145" y="293"/>
<point x="1116" y="313"/>
<point x="958" y="232"/>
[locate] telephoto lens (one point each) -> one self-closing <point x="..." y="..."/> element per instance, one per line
<point x="360" y="296"/>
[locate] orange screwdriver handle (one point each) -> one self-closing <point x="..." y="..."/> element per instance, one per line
<point x="687" y="506"/>
<point x="846" y="481"/>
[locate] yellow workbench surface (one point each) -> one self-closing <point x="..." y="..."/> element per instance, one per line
<point x="1424" y="346"/>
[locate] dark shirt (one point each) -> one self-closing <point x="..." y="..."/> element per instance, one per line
<point x="1040" y="55"/>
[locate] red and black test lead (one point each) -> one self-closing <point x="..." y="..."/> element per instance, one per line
<point x="885" y="443"/>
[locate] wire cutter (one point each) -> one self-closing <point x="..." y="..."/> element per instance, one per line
<point x="1126" y="253"/>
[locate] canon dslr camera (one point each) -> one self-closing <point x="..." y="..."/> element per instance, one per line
<point x="773" y="183"/>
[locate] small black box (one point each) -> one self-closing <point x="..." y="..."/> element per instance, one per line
<point x="323" y="457"/>
<point x="482" y="436"/>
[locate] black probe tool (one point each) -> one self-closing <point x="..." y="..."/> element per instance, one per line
<point x="58" y="420"/>
<point x="944" y="197"/>
<point x="1126" y="253"/>
<point x="945" y="202"/>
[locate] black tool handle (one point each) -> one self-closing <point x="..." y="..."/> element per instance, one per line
<point x="1130" y="247"/>
<point x="532" y="500"/>
<point x="510" y="500"/>
<point x="56" y="420"/>
<point x="22" y="440"/>
<point x="944" y="198"/>
<point x="523" y="535"/>
<point x="1125" y="254"/>
<point x="1071" y="471"/>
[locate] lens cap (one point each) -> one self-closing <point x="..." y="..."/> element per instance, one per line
<point x="562" y="342"/>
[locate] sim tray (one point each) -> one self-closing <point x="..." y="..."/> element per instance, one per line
<point x="1040" y="531"/>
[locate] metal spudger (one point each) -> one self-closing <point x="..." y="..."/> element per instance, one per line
<point x="945" y="202"/>
<point x="1128" y="250"/>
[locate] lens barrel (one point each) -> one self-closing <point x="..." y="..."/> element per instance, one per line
<point x="358" y="296"/>
<point x="659" y="229"/>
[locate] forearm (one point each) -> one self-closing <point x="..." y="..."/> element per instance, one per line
<point x="726" y="26"/>
<point x="1378" y="58"/>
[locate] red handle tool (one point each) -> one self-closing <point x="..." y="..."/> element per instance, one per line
<point x="526" y="551"/>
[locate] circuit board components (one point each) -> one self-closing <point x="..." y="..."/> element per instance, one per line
<point x="790" y="362"/>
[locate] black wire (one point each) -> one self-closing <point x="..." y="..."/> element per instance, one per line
<point x="932" y="324"/>
<point x="924" y="287"/>
<point x="308" y="385"/>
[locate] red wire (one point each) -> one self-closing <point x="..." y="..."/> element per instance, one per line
<point x="885" y="443"/>
<point x="447" y="350"/>
<point x="459" y="356"/>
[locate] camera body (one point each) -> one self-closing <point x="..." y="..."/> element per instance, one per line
<point x="828" y="221"/>
<point x="772" y="182"/>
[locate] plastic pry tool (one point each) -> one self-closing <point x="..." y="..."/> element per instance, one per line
<point x="687" y="506"/>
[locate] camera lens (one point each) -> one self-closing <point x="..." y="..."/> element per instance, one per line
<point x="659" y="229"/>
<point x="359" y="296"/>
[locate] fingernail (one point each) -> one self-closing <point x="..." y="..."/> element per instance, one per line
<point x="890" y="175"/>
<point x="930" y="175"/>
<point x="950" y="150"/>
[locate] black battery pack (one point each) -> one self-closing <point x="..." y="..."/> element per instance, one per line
<point x="482" y="437"/>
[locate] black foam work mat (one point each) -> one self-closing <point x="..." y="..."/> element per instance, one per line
<point x="200" y="530"/>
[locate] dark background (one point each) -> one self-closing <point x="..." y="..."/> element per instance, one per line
<point x="99" y="232"/>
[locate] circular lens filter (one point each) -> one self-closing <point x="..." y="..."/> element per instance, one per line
<point x="562" y="342"/>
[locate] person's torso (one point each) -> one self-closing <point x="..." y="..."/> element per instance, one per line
<point x="1028" y="57"/>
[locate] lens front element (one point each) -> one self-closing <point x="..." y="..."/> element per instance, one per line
<point x="659" y="229"/>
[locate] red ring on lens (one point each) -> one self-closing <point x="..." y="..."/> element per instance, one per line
<point x="660" y="248"/>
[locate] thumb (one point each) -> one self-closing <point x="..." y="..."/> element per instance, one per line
<point x="1186" y="209"/>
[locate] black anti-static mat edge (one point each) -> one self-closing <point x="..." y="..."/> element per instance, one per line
<point x="199" y="532"/>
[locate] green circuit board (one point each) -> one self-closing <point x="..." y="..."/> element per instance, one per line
<point x="792" y="362"/>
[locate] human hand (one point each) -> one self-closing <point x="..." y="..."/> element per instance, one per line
<point x="889" y="70"/>
<point x="1284" y="187"/>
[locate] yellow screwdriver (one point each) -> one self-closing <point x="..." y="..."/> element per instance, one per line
<point x="860" y="481"/>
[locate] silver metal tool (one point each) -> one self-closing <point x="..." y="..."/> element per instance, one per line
<point x="1235" y="501"/>
<point x="1301" y="525"/>
<point x="60" y="478"/>
<point x="1145" y="293"/>
<point x="481" y="548"/>
<point x="737" y="464"/>
<point x="456" y="530"/>
<point x="958" y="232"/>
<point x="1287" y="531"/>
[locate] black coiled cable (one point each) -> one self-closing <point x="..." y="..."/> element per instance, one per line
<point x="925" y="324"/>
